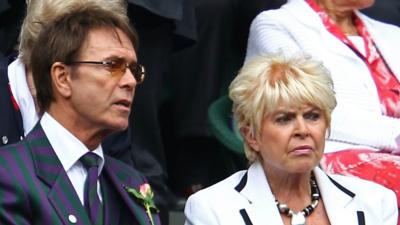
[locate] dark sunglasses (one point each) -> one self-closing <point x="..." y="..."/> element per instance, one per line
<point x="117" y="67"/>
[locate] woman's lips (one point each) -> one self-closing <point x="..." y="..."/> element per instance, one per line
<point x="301" y="150"/>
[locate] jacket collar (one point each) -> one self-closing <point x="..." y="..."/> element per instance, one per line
<point x="383" y="44"/>
<point x="254" y="187"/>
<point x="303" y="13"/>
<point x="300" y="10"/>
<point x="48" y="168"/>
<point x="337" y="199"/>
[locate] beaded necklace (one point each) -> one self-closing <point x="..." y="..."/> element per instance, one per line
<point x="299" y="218"/>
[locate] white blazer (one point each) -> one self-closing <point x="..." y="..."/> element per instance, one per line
<point x="245" y="198"/>
<point x="357" y="120"/>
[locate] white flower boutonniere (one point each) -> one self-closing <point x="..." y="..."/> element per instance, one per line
<point x="145" y="197"/>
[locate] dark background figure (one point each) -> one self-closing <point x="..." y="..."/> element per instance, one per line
<point x="162" y="31"/>
<point x="199" y="75"/>
<point x="11" y="15"/>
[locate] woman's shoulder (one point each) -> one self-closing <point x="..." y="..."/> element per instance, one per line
<point x="352" y="186"/>
<point x="217" y="204"/>
<point x="293" y="12"/>
<point x="362" y="188"/>
<point x="220" y="189"/>
<point x="271" y="15"/>
<point x="220" y="196"/>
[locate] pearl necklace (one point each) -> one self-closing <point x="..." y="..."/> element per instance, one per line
<point x="299" y="218"/>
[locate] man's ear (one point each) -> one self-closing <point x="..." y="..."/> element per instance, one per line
<point x="61" y="78"/>
<point x="250" y="138"/>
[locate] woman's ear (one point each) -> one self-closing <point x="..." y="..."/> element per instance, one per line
<point x="250" y="138"/>
<point x="327" y="132"/>
<point x="61" y="78"/>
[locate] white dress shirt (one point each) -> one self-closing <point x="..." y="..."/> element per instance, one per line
<point x="69" y="150"/>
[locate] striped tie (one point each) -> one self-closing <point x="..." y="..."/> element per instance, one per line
<point x="91" y="199"/>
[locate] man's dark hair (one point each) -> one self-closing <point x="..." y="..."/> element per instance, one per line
<point x="62" y="41"/>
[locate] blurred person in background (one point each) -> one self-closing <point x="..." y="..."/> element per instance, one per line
<point x="362" y="58"/>
<point x="199" y="75"/>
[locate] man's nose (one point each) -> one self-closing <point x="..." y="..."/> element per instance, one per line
<point x="128" y="80"/>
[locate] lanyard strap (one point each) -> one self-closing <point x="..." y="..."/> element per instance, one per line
<point x="370" y="50"/>
<point x="387" y="84"/>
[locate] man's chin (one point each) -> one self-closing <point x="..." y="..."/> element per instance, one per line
<point x="118" y="125"/>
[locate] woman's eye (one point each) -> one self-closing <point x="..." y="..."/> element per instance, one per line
<point x="312" y="116"/>
<point x="282" y="119"/>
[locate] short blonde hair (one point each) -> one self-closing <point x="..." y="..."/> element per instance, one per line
<point x="41" y="12"/>
<point x="264" y="82"/>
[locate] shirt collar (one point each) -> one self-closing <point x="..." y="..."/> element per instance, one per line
<point x="67" y="147"/>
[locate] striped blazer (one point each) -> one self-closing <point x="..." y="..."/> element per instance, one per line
<point x="35" y="189"/>
<point x="245" y="198"/>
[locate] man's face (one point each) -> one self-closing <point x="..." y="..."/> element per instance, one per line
<point x="102" y="99"/>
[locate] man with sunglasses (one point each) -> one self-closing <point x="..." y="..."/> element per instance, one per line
<point x="85" y="71"/>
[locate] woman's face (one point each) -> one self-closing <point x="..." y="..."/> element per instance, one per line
<point x="292" y="139"/>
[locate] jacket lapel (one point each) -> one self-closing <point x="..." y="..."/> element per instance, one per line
<point x="337" y="200"/>
<point x="119" y="178"/>
<point x="384" y="40"/>
<point x="258" y="194"/>
<point x="61" y="193"/>
<point x="254" y="187"/>
<point x="328" y="45"/>
<point x="303" y="13"/>
<point x="112" y="210"/>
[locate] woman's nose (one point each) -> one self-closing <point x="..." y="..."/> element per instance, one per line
<point x="301" y="129"/>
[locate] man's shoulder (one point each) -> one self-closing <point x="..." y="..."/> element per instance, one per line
<point x="15" y="158"/>
<point x="17" y="147"/>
